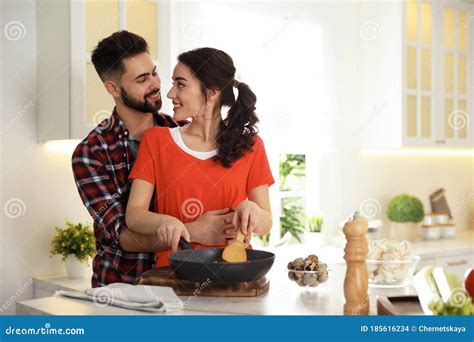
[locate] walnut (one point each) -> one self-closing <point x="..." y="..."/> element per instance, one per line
<point x="298" y="274"/>
<point x="313" y="258"/>
<point x="298" y="264"/>
<point x="322" y="267"/>
<point x="300" y="271"/>
<point x="323" y="277"/>
<point x="310" y="265"/>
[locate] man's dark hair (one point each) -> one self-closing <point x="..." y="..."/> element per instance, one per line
<point x="108" y="55"/>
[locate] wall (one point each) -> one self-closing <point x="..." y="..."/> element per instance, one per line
<point x="37" y="187"/>
<point x="328" y="80"/>
<point x="326" y="116"/>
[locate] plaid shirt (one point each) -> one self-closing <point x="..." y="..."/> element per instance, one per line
<point x="101" y="164"/>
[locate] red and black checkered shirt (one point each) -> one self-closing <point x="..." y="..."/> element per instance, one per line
<point x="101" y="164"/>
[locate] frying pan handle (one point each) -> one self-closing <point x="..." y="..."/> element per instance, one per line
<point x="185" y="244"/>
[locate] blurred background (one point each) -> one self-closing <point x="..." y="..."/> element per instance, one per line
<point x="359" y="101"/>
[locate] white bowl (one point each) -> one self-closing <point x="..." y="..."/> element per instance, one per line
<point x="431" y="232"/>
<point x="391" y="273"/>
<point x="430" y="219"/>
<point x="448" y="232"/>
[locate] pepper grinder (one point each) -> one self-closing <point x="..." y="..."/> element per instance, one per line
<point x="355" y="254"/>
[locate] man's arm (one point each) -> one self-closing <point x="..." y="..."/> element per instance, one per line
<point x="212" y="228"/>
<point x="132" y="241"/>
<point x="101" y="197"/>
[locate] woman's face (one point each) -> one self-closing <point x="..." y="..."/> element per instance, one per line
<point x="188" y="99"/>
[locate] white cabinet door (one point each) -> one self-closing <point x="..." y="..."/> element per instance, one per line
<point x="72" y="98"/>
<point x="437" y="84"/>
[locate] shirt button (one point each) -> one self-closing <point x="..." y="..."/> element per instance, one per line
<point x="124" y="154"/>
<point x="126" y="133"/>
<point x="120" y="136"/>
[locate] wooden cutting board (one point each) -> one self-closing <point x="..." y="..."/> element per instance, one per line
<point x="166" y="277"/>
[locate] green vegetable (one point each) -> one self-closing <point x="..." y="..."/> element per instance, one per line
<point x="76" y="239"/>
<point x="405" y="208"/>
<point x="442" y="293"/>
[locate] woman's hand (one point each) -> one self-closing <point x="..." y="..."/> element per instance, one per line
<point x="170" y="231"/>
<point x="246" y="216"/>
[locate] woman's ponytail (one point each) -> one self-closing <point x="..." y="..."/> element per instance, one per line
<point x="215" y="70"/>
<point x="237" y="130"/>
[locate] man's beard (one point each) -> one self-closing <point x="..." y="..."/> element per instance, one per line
<point x="141" y="106"/>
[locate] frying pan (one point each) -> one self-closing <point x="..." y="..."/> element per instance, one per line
<point x="202" y="264"/>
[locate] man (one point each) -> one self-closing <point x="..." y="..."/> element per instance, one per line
<point x="103" y="160"/>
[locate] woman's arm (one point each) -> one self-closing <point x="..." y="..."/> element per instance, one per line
<point x="141" y="220"/>
<point x="211" y="228"/>
<point x="137" y="215"/>
<point x="254" y="214"/>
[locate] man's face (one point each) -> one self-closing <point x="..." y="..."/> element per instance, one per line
<point x="140" y="84"/>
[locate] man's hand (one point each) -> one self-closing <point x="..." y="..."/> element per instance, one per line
<point x="213" y="228"/>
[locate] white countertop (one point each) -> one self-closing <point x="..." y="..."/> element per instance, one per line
<point x="283" y="298"/>
<point x="463" y="243"/>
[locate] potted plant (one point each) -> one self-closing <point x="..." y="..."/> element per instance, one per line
<point x="313" y="236"/>
<point x="76" y="245"/>
<point x="405" y="212"/>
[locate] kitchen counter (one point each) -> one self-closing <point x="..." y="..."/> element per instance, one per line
<point x="462" y="244"/>
<point x="284" y="296"/>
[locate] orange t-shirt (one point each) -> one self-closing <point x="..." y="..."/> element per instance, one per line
<point x="186" y="187"/>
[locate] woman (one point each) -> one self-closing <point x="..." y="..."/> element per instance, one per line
<point x="212" y="163"/>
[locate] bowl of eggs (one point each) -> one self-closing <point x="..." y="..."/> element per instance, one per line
<point x="308" y="272"/>
<point x="390" y="263"/>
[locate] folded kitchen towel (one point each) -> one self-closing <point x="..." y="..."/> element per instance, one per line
<point x="136" y="297"/>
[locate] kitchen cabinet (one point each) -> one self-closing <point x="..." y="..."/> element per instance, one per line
<point x="71" y="97"/>
<point x="455" y="263"/>
<point x="418" y="82"/>
<point x="437" y="85"/>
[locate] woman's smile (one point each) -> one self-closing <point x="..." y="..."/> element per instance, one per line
<point x="176" y="106"/>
